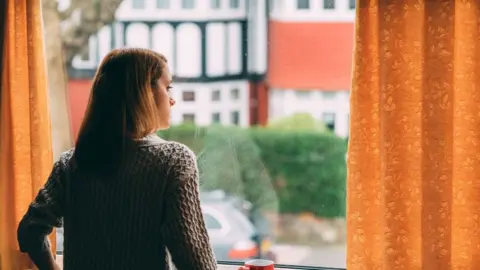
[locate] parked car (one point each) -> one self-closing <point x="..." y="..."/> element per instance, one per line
<point x="232" y="234"/>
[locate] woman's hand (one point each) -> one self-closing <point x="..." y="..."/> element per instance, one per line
<point x="243" y="268"/>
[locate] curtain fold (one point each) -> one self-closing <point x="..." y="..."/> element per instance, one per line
<point x="414" y="147"/>
<point x="25" y="140"/>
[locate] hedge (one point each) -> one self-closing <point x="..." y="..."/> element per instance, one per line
<point x="284" y="170"/>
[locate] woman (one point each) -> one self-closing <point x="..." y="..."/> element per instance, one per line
<point x="126" y="198"/>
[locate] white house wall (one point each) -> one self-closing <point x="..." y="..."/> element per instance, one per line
<point x="287" y="102"/>
<point x="203" y="107"/>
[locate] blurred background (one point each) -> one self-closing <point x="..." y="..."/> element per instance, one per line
<point x="262" y="92"/>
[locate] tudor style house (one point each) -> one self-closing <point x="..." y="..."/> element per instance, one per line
<point x="236" y="62"/>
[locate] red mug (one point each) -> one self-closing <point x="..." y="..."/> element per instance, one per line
<point x="259" y="264"/>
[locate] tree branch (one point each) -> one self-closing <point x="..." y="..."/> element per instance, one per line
<point x="81" y="20"/>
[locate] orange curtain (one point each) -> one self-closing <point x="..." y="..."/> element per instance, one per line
<point x="25" y="141"/>
<point x="414" y="150"/>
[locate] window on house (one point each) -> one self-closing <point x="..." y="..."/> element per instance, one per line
<point x="328" y="95"/>
<point x="215" y="4"/>
<point x="235" y="4"/>
<point x="303" y="94"/>
<point x="138" y="4"/>
<point x="328" y="119"/>
<point x="235" y="117"/>
<point x="188" y="96"/>
<point x="188" y="118"/>
<point x="303" y="4"/>
<point x="329" y="4"/>
<point x="216" y="118"/>
<point x="216" y="95"/>
<point x="163" y="4"/>
<point x="352" y="4"/>
<point x="235" y="93"/>
<point x="188" y="4"/>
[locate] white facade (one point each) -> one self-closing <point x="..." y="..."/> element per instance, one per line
<point x="223" y="103"/>
<point x="331" y="107"/>
<point x="312" y="10"/>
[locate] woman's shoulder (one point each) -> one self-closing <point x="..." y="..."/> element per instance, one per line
<point x="173" y="150"/>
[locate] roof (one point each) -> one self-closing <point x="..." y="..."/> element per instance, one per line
<point x="310" y="55"/>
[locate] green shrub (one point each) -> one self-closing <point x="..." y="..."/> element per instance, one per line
<point x="287" y="170"/>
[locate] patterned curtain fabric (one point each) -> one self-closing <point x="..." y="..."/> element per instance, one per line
<point x="414" y="153"/>
<point x="25" y="141"/>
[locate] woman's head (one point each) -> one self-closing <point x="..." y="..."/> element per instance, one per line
<point x="129" y="99"/>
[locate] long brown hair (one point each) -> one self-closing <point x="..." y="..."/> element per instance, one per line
<point x="122" y="107"/>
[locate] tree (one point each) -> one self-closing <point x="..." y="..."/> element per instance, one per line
<point x="299" y="122"/>
<point x="72" y="26"/>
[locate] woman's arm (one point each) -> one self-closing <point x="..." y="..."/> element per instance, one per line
<point x="184" y="231"/>
<point x="44" y="213"/>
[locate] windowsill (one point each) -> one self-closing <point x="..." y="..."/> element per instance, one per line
<point x="226" y="267"/>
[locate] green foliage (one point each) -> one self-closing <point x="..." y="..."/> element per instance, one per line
<point x="274" y="168"/>
<point x="299" y="122"/>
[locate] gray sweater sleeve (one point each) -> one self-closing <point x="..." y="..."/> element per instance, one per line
<point x="184" y="231"/>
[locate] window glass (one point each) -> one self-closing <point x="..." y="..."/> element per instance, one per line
<point x="163" y="4"/>
<point x="276" y="121"/>
<point x="329" y="4"/>
<point x="352" y="4"/>
<point x="188" y="4"/>
<point x="215" y="95"/>
<point x="216" y="118"/>
<point x="234" y="4"/>
<point x="188" y="96"/>
<point x="138" y="4"/>
<point x="235" y="117"/>
<point x="303" y="4"/>
<point x="215" y="4"/>
<point x="235" y="93"/>
<point x="188" y="118"/>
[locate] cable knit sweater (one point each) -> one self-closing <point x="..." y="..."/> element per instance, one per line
<point x="138" y="221"/>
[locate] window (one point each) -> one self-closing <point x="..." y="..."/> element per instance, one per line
<point x="329" y="4"/>
<point x="163" y="4"/>
<point x="303" y="4"/>
<point x="211" y="222"/>
<point x="216" y="118"/>
<point x="235" y="93"/>
<point x="235" y="118"/>
<point x="352" y="4"/>
<point x="302" y="94"/>
<point x="216" y="95"/>
<point x="226" y="123"/>
<point x="188" y="4"/>
<point x="329" y="120"/>
<point x="138" y="4"/>
<point x="188" y="96"/>
<point x="234" y="4"/>
<point x="189" y="118"/>
<point x="215" y="4"/>
<point x="328" y="95"/>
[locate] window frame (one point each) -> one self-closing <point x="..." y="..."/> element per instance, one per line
<point x="234" y="4"/>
